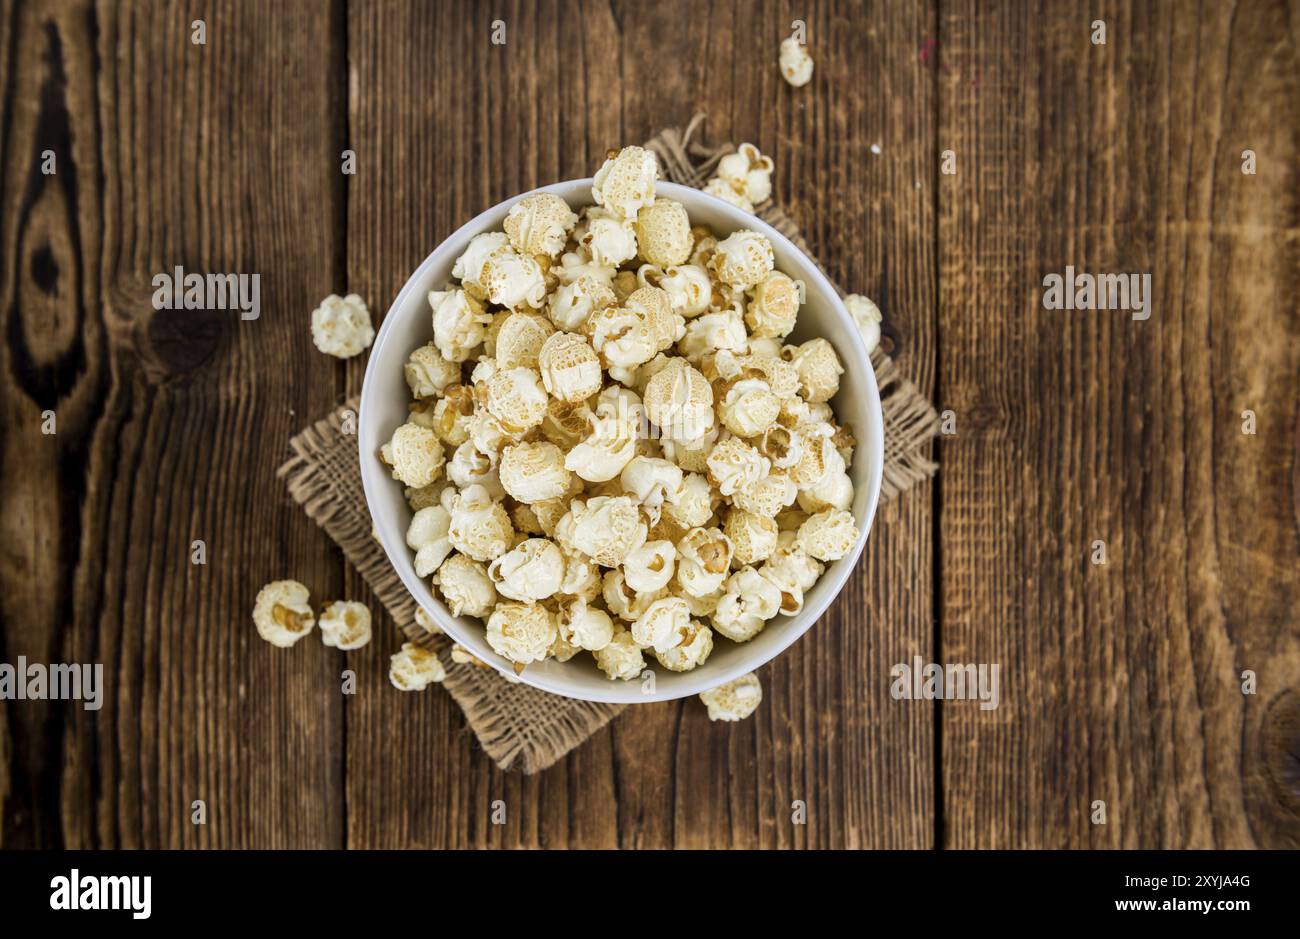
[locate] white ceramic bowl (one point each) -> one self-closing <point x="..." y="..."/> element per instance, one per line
<point x="385" y="395"/>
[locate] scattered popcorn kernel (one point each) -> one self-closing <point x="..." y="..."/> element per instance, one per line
<point x="414" y="454"/>
<point x="514" y="280"/>
<point x="650" y="567"/>
<point x="521" y="632"/>
<point x="530" y="571"/>
<point x="663" y="233"/>
<point x="582" y="625"/>
<point x="427" y="537"/>
<point x="414" y="669"/>
<point x="626" y="182"/>
<point x="749" y="602"/>
<point x="480" y="526"/>
<point x="773" y="306"/>
<point x="465" y="586"/>
<point x="721" y="189"/>
<point x="735" y="700"/>
<point x="345" y="624"/>
<point x="340" y="326"/>
<point x="516" y="398"/>
<point x="743" y="259"/>
<point x="621" y="657"/>
<point x="748" y="172"/>
<point x="425" y="621"/>
<point x="663" y="625"/>
<point x="282" y="612"/>
<point x="734" y="464"/>
<point x="458" y="323"/>
<point x="519" y="341"/>
<point x="428" y="373"/>
<point x="692" y="652"/>
<point x="539" y="224"/>
<point x="570" y="368"/>
<point x="819" y="370"/>
<point x="606" y="529"/>
<point x="703" y="561"/>
<point x="867" y="315"/>
<point x="796" y="63"/>
<point x="828" y="535"/>
<point x="753" y="537"/>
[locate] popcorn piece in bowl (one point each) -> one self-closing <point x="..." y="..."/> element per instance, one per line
<point x="540" y="224"/>
<point x="735" y="700"/>
<point x="282" y="612"/>
<point x="414" y="669"/>
<point x="828" y="535"/>
<point x="458" y="323"/>
<point x="465" y="586"/>
<point x="414" y="454"/>
<point x="692" y="652"/>
<point x="743" y="259"/>
<point x="749" y="602"/>
<point x="570" y="368"/>
<point x="621" y="657"/>
<point x="427" y="536"/>
<point x="521" y="632"/>
<point x="663" y="233"/>
<point x="520" y="339"/>
<point x="340" y="326"/>
<point x="530" y="571"/>
<point x="345" y="624"/>
<point x="429" y="374"/>
<point x="626" y="181"/>
<point x="480" y="527"/>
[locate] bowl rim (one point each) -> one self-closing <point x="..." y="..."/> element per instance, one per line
<point x="631" y="692"/>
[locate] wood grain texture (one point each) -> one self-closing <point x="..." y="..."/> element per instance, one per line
<point x="1120" y="682"/>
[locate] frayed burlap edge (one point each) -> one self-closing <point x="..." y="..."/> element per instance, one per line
<point x="516" y="724"/>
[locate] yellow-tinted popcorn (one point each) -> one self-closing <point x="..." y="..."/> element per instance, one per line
<point x="692" y="652"/>
<point x="480" y="526"/>
<point x="656" y="306"/>
<point x="427" y="537"/>
<point x="679" y="401"/>
<point x="282" y="612"/>
<point x="796" y="63"/>
<point x="462" y="656"/>
<point x="748" y="172"/>
<point x="650" y="567"/>
<point x="414" y="669"/>
<point x="749" y="602"/>
<point x="516" y="398"/>
<point x="743" y="259"/>
<point x="340" y="326"/>
<point x="867" y="315"/>
<point x="514" y="280"/>
<point x="428" y="373"/>
<point x="570" y="368"/>
<point x="734" y="464"/>
<point x="533" y="472"/>
<point x="567" y="423"/>
<point x="703" y="561"/>
<point x="773" y="306"/>
<point x="451" y="415"/>
<point x="701" y="607"/>
<point x="520" y="339"/>
<point x="583" y="625"/>
<point x="735" y="700"/>
<point x="692" y="456"/>
<point x="691" y="503"/>
<point x="458" y="323"/>
<point x="621" y="657"/>
<point x="539" y="224"/>
<point x="663" y="625"/>
<point x="606" y="529"/>
<point x="753" y="537"/>
<point x="819" y="370"/>
<point x="521" y="632"/>
<point x="572" y="304"/>
<point x="345" y="624"/>
<point x="818" y="457"/>
<point x="414" y="454"/>
<point x="465" y="586"/>
<point x="468" y="268"/>
<point x="663" y="233"/>
<point x="425" y="496"/>
<point x="828" y="535"/>
<point x="768" y="496"/>
<point x="626" y="182"/>
<point x="530" y="571"/>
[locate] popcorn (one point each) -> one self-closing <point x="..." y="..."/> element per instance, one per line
<point x="749" y="602"/>
<point x="828" y="535"/>
<point x="734" y="464"/>
<point x="818" y="457"/>
<point x="819" y="370"/>
<point x="533" y="472"/>
<point x="712" y="333"/>
<point x="679" y="401"/>
<point x="743" y="259"/>
<point x="735" y="700"/>
<point x="748" y="172"/>
<point x="833" y="491"/>
<point x="282" y="612"/>
<point x="796" y="63"/>
<point x="577" y="264"/>
<point x="650" y="567"/>
<point x="584" y="626"/>
<point x="479" y="526"/>
<point x="566" y="422"/>
<point x="427" y="537"/>
<point x="570" y="368"/>
<point x="573" y="304"/>
<point x="609" y="447"/>
<point x="626" y="182"/>
<point x="458" y="321"/>
<point x="521" y="632"/>
<point x="782" y="446"/>
<point x="748" y="406"/>
<point x="539" y="224"/>
<point x="692" y="455"/>
<point x="520" y="339"/>
<point x="465" y="586"/>
<point x="606" y="529"/>
<point x="792" y="572"/>
<point x="656" y="306"/>
<point x="345" y="625"/>
<point x="867" y="315"/>
<point x="624" y="602"/>
<point x="452" y="414"/>
<point x="663" y="625"/>
<point x="470" y="466"/>
<point x="623" y="337"/>
<point x="621" y="657"/>
<point x="468" y="268"/>
<point x="689" y="289"/>
<point x="608" y="239"/>
<point x="414" y="669"/>
<point x="704" y="560"/>
<point x="516" y="398"/>
<point x="340" y="326"/>
<point x="768" y="496"/>
<point x="428" y="373"/>
<point x="514" y="280"/>
<point x="425" y="621"/>
<point x="663" y="233"/>
<point x="692" y="652"/>
<point x="721" y="189"/>
<point x="752" y="536"/>
<point x="530" y="571"/>
<point x="650" y="480"/>
<point x="773" y="306"/>
<point x="414" y="454"/>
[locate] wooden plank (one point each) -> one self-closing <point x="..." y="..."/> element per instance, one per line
<point x="441" y="137"/>
<point x="170" y="424"/>
<point x="1121" y="682"/>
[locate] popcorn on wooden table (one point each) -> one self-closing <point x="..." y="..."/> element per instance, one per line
<point x="614" y="450"/>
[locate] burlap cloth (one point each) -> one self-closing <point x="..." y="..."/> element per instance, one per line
<point x="516" y="724"/>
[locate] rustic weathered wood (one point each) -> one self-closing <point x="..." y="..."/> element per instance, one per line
<point x="1120" y="682"/>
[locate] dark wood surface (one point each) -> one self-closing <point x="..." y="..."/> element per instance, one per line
<point x="1120" y="683"/>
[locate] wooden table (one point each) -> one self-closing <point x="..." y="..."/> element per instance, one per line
<point x="1121" y="682"/>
